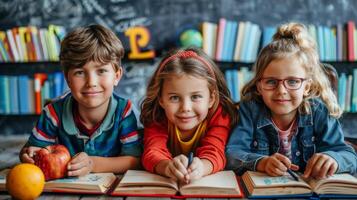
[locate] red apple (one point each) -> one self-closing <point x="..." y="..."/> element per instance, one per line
<point x="53" y="161"/>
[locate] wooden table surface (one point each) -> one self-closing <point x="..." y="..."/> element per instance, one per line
<point x="10" y="147"/>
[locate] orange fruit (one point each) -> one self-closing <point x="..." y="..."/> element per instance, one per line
<point x="25" y="181"/>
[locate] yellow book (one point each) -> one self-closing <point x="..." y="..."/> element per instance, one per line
<point x="261" y="185"/>
<point x="22" y="43"/>
<point x="143" y="183"/>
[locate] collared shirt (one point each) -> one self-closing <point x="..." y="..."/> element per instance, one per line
<point x="255" y="137"/>
<point x="117" y="134"/>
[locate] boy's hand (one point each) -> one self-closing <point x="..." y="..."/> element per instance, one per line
<point x="81" y="164"/>
<point x="276" y="165"/>
<point x="320" y="166"/>
<point x="177" y="167"/>
<point x="195" y="170"/>
<point x="27" y="154"/>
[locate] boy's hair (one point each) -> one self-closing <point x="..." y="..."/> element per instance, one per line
<point x="91" y="43"/>
<point x="186" y="61"/>
<point x="293" y="41"/>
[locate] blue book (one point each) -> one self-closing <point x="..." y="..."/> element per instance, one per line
<point x="341" y="90"/>
<point x="268" y="33"/>
<point x="229" y="81"/>
<point x="14" y="97"/>
<point x="226" y="37"/>
<point x="235" y="82"/>
<point x="57" y="84"/>
<point x="232" y="40"/>
<point x="327" y="41"/>
<point x="2" y="94"/>
<point x="321" y="42"/>
<point x="245" y="41"/>
<point x="23" y="94"/>
<point x="354" y="92"/>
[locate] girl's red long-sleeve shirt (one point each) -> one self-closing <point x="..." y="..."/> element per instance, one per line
<point x="211" y="146"/>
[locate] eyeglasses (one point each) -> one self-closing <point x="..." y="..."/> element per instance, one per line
<point x="289" y="83"/>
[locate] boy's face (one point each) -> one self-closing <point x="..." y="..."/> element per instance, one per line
<point x="93" y="84"/>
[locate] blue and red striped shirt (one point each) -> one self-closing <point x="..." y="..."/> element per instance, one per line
<point x="116" y="135"/>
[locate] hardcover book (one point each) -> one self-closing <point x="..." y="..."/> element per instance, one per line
<point x="143" y="183"/>
<point x="261" y="185"/>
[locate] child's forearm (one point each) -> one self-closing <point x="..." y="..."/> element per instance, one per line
<point x="118" y="164"/>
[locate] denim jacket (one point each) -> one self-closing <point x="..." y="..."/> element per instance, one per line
<point x="255" y="137"/>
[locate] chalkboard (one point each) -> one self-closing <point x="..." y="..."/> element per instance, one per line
<point x="166" y="18"/>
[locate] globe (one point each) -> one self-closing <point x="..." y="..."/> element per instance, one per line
<point x="190" y="38"/>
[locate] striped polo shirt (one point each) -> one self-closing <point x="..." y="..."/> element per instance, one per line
<point x="117" y="135"/>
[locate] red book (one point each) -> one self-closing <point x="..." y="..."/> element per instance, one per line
<point x="39" y="79"/>
<point x="222" y="184"/>
<point x="350" y="40"/>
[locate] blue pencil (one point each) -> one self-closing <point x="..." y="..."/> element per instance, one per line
<point x="190" y="158"/>
<point x="296" y="178"/>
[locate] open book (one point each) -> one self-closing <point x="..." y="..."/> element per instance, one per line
<point x="143" y="183"/>
<point x="261" y="185"/>
<point x="94" y="183"/>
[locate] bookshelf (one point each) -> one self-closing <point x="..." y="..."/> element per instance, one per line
<point x="7" y="68"/>
<point x="164" y="20"/>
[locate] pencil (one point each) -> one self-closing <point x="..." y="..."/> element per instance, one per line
<point x="293" y="175"/>
<point x="190" y="158"/>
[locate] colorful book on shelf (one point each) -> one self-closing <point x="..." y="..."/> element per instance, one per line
<point x="7" y="45"/>
<point x="320" y="42"/>
<point x="23" y="81"/>
<point x="239" y="41"/>
<point x="260" y="185"/>
<point x="245" y="42"/>
<point x="220" y="38"/>
<point x="142" y="183"/>
<point x="354" y="92"/>
<point x="94" y="183"/>
<point x="209" y="35"/>
<point x="351" y="40"/>
<point x="13" y="46"/>
<point x="39" y="79"/>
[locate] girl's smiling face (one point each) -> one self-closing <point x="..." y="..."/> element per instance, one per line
<point x="186" y="100"/>
<point x="283" y="102"/>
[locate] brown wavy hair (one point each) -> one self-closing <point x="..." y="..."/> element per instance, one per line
<point x="90" y="43"/>
<point x="151" y="111"/>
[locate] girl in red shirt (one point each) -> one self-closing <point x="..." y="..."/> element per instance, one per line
<point x="187" y="108"/>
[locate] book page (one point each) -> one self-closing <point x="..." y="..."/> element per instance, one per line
<point x="144" y="178"/>
<point x="220" y="183"/>
<point x="335" y="184"/>
<point x="260" y="179"/>
<point x="94" y="181"/>
<point x="261" y="184"/>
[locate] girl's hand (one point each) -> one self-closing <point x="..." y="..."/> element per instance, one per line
<point x="320" y="166"/>
<point x="27" y="154"/>
<point x="195" y="170"/>
<point x="276" y="165"/>
<point x="177" y="168"/>
<point x="81" y="164"/>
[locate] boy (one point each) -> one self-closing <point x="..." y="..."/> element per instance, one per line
<point x="97" y="127"/>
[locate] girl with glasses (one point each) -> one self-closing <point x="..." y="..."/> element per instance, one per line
<point x="288" y="116"/>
